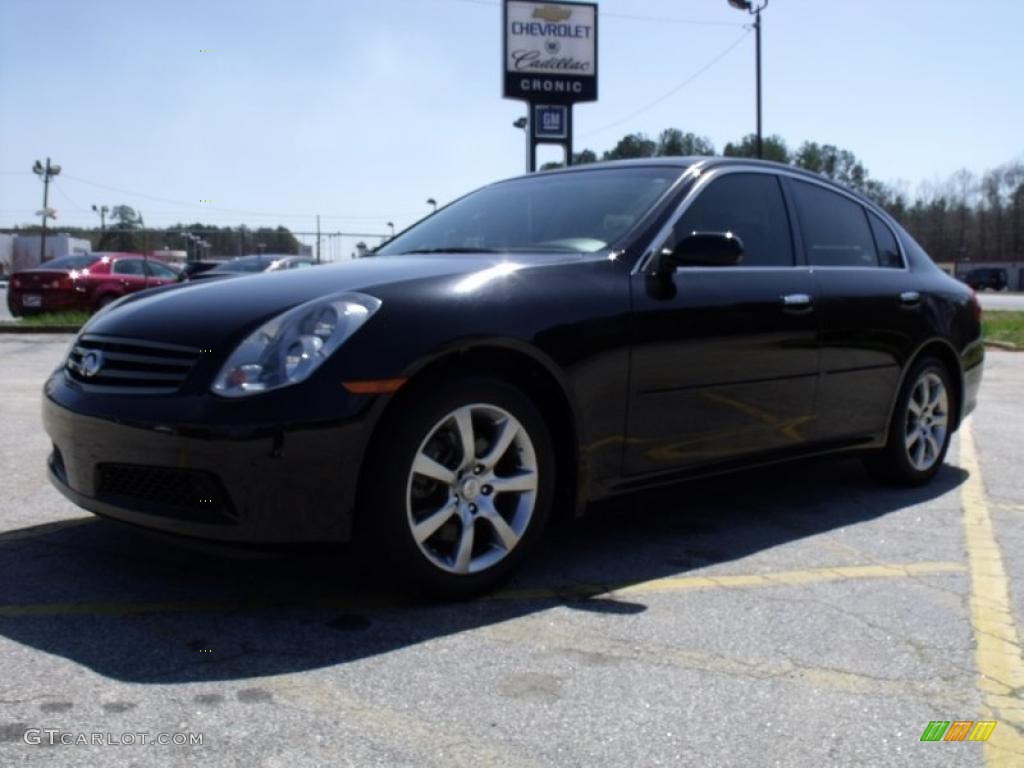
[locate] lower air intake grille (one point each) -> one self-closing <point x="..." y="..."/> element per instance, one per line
<point x="183" y="494"/>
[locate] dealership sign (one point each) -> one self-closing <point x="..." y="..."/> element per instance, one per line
<point x="550" y="51"/>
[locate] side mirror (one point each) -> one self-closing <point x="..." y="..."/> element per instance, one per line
<point x="704" y="249"/>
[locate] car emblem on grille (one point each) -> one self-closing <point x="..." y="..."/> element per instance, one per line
<point x="91" y="364"/>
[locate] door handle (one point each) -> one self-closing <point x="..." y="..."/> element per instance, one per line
<point x="796" y="301"/>
<point x="910" y="297"/>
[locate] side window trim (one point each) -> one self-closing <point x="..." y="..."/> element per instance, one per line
<point x="785" y="176"/>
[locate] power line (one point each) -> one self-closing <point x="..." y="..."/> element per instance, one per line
<point x="631" y="16"/>
<point x="673" y="91"/>
<point x="207" y="207"/>
<point x="67" y="197"/>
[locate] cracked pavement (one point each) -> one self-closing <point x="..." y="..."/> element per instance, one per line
<point x="800" y="615"/>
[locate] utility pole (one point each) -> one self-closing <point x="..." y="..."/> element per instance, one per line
<point x="318" y="238"/>
<point x="45" y="173"/>
<point x="755" y="11"/>
<point x="757" y="46"/>
<point x="523" y="123"/>
<point x="102" y="211"/>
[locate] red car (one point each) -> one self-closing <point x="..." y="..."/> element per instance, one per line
<point x="85" y="282"/>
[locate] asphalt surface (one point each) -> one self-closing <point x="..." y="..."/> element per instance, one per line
<point x="801" y="616"/>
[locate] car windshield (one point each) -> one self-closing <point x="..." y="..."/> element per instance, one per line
<point x="70" y="262"/>
<point x="581" y="212"/>
<point x="245" y="264"/>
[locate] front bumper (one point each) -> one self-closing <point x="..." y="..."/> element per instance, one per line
<point x="244" y="484"/>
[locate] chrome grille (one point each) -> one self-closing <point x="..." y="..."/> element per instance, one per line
<point x="115" y="365"/>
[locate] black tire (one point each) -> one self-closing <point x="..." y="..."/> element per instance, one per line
<point x="393" y="498"/>
<point x="895" y="464"/>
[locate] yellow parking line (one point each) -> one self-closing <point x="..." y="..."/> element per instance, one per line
<point x="998" y="651"/>
<point x="740" y="581"/>
<point x="668" y="584"/>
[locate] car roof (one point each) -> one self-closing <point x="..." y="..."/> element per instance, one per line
<point x="686" y="161"/>
<point x="707" y="162"/>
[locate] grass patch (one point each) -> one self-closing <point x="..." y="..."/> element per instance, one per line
<point x="56" y="318"/>
<point x="1003" y="326"/>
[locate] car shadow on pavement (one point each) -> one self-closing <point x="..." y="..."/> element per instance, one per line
<point x="139" y="609"/>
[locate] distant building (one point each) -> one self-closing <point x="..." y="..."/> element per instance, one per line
<point x="305" y="251"/>
<point x="25" y="253"/>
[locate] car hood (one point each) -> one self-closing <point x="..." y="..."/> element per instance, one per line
<point x="211" y="313"/>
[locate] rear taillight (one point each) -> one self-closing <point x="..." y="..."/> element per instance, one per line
<point x="975" y="305"/>
<point x="15" y="282"/>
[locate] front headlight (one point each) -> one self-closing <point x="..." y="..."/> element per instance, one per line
<point x="288" y="348"/>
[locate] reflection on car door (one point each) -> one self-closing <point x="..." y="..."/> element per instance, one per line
<point x="158" y="273"/>
<point x="871" y="309"/>
<point x="725" y="359"/>
<point x="130" y="274"/>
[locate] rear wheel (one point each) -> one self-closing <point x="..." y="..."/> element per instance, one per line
<point x="460" y="487"/>
<point x="921" y="427"/>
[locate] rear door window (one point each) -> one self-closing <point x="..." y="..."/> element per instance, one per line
<point x="161" y="271"/>
<point x="835" y="229"/>
<point x="128" y="267"/>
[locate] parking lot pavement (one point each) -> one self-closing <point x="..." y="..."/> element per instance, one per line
<point x="795" y="616"/>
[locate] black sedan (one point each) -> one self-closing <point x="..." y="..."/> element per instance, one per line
<point x="538" y="344"/>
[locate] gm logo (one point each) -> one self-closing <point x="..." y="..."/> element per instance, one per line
<point x="959" y="730"/>
<point x="550" y="121"/>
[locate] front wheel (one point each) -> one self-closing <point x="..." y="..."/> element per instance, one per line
<point x="460" y="487"/>
<point x="920" y="430"/>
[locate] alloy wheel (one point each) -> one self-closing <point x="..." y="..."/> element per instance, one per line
<point x="927" y="421"/>
<point x="472" y="489"/>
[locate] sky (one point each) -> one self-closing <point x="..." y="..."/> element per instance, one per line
<point x="360" y="110"/>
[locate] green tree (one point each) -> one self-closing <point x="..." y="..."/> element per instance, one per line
<point x="774" y="148"/>
<point x="122" y="232"/>
<point x="584" y="157"/>
<point x="673" y="142"/>
<point x="631" y="146"/>
<point x="832" y="162"/>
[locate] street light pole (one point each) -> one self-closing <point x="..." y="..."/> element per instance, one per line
<point x="391" y="224"/>
<point x="102" y="211"/>
<point x="45" y="173"/>
<point x="755" y="11"/>
<point x="757" y="46"/>
<point x="433" y="203"/>
<point x="524" y="124"/>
